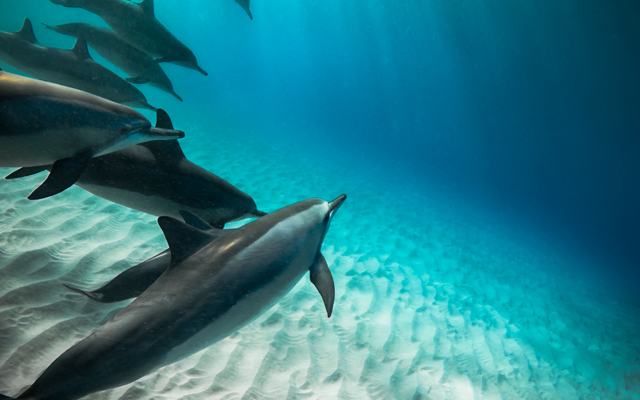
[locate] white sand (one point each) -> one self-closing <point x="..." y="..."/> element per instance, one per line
<point x="431" y="302"/>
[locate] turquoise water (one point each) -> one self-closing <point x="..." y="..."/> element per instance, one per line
<point x="464" y="262"/>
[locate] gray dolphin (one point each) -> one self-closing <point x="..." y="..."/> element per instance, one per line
<point x="245" y="6"/>
<point x="157" y="179"/>
<point x="142" y="67"/>
<point x="137" y="24"/>
<point x="43" y="123"/>
<point x="217" y="282"/>
<point x="73" y="68"/>
<point x="135" y="280"/>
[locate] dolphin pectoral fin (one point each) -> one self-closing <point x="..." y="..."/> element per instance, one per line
<point x="183" y="239"/>
<point x="323" y="280"/>
<point x="82" y="292"/>
<point x="26" y="171"/>
<point x="138" y="80"/>
<point x="5" y="397"/>
<point x="64" y="173"/>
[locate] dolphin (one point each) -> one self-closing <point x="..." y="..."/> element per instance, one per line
<point x="142" y="67"/>
<point x="218" y="281"/>
<point x="135" y="280"/>
<point x="157" y="179"/>
<point x="43" y="123"/>
<point x="245" y="6"/>
<point x="136" y="23"/>
<point x="74" y="68"/>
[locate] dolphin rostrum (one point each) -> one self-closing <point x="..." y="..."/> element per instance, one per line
<point x="142" y="67"/>
<point x="217" y="282"/>
<point x="245" y="6"/>
<point x="137" y="24"/>
<point x="156" y="178"/>
<point x="43" y="123"/>
<point x="74" y="68"/>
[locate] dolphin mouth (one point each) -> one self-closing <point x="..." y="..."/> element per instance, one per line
<point x="335" y="204"/>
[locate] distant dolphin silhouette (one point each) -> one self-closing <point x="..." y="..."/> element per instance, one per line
<point x="245" y="6"/>
<point x="142" y="67"/>
<point x="135" y="280"/>
<point x="157" y="179"/>
<point x="137" y="24"/>
<point x="217" y="282"/>
<point x="44" y="123"/>
<point x="73" y="68"/>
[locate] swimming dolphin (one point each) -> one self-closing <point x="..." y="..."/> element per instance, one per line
<point x="245" y="6"/>
<point x="74" y="68"/>
<point x="217" y="282"/>
<point x="135" y="280"/>
<point x="142" y="67"/>
<point x="137" y="24"/>
<point x="157" y="179"/>
<point x="42" y="123"/>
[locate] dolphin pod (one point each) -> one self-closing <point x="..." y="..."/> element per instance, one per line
<point x="74" y="68"/>
<point x="142" y="67"/>
<point x="136" y="23"/>
<point x="43" y="123"/>
<point x="210" y="282"/>
<point x="157" y="179"/>
<point x="217" y="282"/>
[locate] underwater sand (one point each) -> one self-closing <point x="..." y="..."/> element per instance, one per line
<point x="431" y="302"/>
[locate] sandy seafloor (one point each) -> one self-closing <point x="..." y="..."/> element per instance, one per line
<point x="432" y="300"/>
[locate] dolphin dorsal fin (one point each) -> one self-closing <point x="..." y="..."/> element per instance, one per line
<point x="26" y="33"/>
<point x="80" y="49"/>
<point x="183" y="239"/>
<point x="323" y="280"/>
<point x="147" y="7"/>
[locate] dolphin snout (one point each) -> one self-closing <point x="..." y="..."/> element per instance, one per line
<point x="335" y="204"/>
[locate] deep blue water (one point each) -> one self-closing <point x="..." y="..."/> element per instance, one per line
<point x="527" y="108"/>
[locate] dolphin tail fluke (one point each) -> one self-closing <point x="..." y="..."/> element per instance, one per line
<point x="323" y="280"/>
<point x="64" y="173"/>
<point x="92" y="296"/>
<point x="26" y="171"/>
<point x="258" y="213"/>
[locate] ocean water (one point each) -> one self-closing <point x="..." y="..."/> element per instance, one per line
<point x="488" y="246"/>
